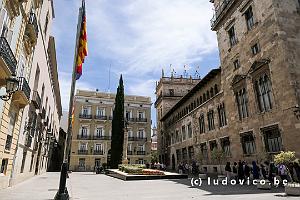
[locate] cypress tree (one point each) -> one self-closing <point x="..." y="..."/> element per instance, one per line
<point x="117" y="136"/>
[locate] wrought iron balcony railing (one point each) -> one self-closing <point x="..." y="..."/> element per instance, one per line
<point x="43" y="113"/>
<point x="36" y="100"/>
<point x="33" y="21"/>
<point x="129" y="152"/>
<point x="137" y="139"/>
<point x="141" y="153"/>
<point x="101" y="117"/>
<point x="7" y="55"/>
<point x="83" y="152"/>
<point x="102" y="137"/>
<point x="141" y="119"/>
<point x="24" y="87"/>
<point x="98" y="152"/>
<point x="220" y="10"/>
<point x="83" y="137"/>
<point x="85" y="116"/>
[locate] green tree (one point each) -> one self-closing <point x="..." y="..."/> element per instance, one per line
<point x="117" y="136"/>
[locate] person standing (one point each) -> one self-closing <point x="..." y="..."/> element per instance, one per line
<point x="247" y="170"/>
<point x="228" y="170"/>
<point x="235" y="170"/>
<point x="255" y="170"/>
<point x="241" y="175"/>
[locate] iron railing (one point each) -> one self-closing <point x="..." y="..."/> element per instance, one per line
<point x="137" y="139"/>
<point x="83" y="137"/>
<point x="224" y="5"/>
<point x="7" y="55"/>
<point x="85" y="116"/>
<point x="83" y="152"/>
<point x="24" y="86"/>
<point x="98" y="152"/>
<point x="101" y="117"/>
<point x="141" y="153"/>
<point x="102" y="137"/>
<point x="33" y="21"/>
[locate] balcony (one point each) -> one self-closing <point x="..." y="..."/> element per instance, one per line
<point x="28" y="141"/>
<point x="137" y="139"/>
<point x="36" y="100"/>
<point x="83" y="137"/>
<point x="22" y="95"/>
<point x="31" y="33"/>
<point x="141" y="153"/>
<point x="46" y="122"/>
<point x="13" y="7"/>
<point x="100" y="117"/>
<point x="98" y="152"/>
<point x="43" y="113"/>
<point x="141" y="119"/>
<point x="8" y="62"/>
<point x="220" y="12"/>
<point x="85" y="116"/>
<point x="130" y="119"/>
<point x="129" y="152"/>
<point x="102" y="137"/>
<point x="83" y="152"/>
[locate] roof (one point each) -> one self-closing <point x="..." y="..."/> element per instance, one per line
<point x="197" y="87"/>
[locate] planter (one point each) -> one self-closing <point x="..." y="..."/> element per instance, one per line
<point x="221" y="177"/>
<point x="292" y="189"/>
<point x="265" y="185"/>
<point x="203" y="176"/>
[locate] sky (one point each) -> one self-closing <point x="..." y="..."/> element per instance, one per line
<point x="135" y="38"/>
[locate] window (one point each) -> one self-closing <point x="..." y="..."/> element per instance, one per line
<point x="249" y="18"/>
<point x="46" y="23"/>
<point x="83" y="147"/>
<point x="222" y="115"/>
<point x="191" y="152"/>
<point x="203" y="148"/>
<point x="177" y="139"/>
<point x="272" y="138"/>
<point x="202" y="123"/>
<point x="99" y="132"/>
<point x="211" y="92"/>
<point x="86" y="110"/>
<point x="264" y="93"/>
<point x="189" y="130"/>
<point x="3" y="166"/>
<point x="171" y="91"/>
<point x="8" y="142"/>
<point x="11" y="127"/>
<point x="98" y="147"/>
<point x="183" y="133"/>
<point x="248" y="143"/>
<point x="84" y="131"/>
<point x="211" y="121"/>
<point x="232" y="37"/>
<point x="141" y="133"/>
<point x="213" y="145"/>
<point x="236" y="64"/>
<point x="128" y="115"/>
<point x="141" y="115"/>
<point x="82" y="162"/>
<point x="207" y="95"/>
<point x="242" y="103"/>
<point x="23" y="161"/>
<point x="130" y="134"/>
<point x="100" y="112"/>
<point x="225" y="143"/>
<point x="216" y="89"/>
<point x="255" y="49"/>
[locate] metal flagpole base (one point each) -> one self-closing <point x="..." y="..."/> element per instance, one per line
<point x="62" y="193"/>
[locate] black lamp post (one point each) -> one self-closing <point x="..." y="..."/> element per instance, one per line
<point x="12" y="85"/>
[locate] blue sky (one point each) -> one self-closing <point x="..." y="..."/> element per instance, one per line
<point x="136" y="38"/>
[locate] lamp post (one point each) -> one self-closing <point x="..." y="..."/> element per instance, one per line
<point x="12" y="85"/>
<point x="125" y="144"/>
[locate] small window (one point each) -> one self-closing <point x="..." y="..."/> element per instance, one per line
<point x="248" y="143"/>
<point x="236" y="64"/>
<point x="249" y="18"/>
<point x="255" y="49"/>
<point x="232" y="36"/>
<point x="171" y="91"/>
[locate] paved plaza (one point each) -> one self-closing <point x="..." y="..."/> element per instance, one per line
<point x="89" y="186"/>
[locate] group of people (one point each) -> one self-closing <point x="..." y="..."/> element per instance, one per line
<point x="267" y="170"/>
<point x="185" y="168"/>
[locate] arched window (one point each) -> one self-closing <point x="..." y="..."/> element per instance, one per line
<point x="207" y="95"/>
<point x="198" y="102"/>
<point x="216" y="89"/>
<point x="211" y="92"/>
<point x="204" y="97"/>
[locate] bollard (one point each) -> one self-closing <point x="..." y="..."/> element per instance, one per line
<point x="62" y="193"/>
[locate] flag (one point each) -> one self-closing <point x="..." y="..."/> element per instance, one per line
<point x="82" y="44"/>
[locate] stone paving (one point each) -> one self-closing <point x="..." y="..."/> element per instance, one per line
<point x="89" y="186"/>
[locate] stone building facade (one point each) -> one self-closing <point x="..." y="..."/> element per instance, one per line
<point x="91" y="133"/>
<point x="28" y="55"/>
<point x="248" y="109"/>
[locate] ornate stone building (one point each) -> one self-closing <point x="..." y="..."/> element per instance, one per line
<point x="29" y="120"/>
<point x="248" y="109"/>
<point x="91" y="139"/>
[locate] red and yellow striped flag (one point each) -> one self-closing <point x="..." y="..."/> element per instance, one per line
<point x="82" y="44"/>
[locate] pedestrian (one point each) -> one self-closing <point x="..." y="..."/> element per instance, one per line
<point x="235" y="170"/>
<point x="272" y="172"/>
<point x="241" y="175"/>
<point x="247" y="170"/>
<point x="263" y="171"/>
<point x="180" y="168"/>
<point x="255" y="170"/>
<point x="186" y="168"/>
<point x="297" y="171"/>
<point x="228" y="170"/>
<point x="282" y="171"/>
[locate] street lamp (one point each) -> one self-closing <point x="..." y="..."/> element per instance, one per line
<point x="12" y="85"/>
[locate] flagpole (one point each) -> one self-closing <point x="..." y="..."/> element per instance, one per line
<point x="62" y="193"/>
